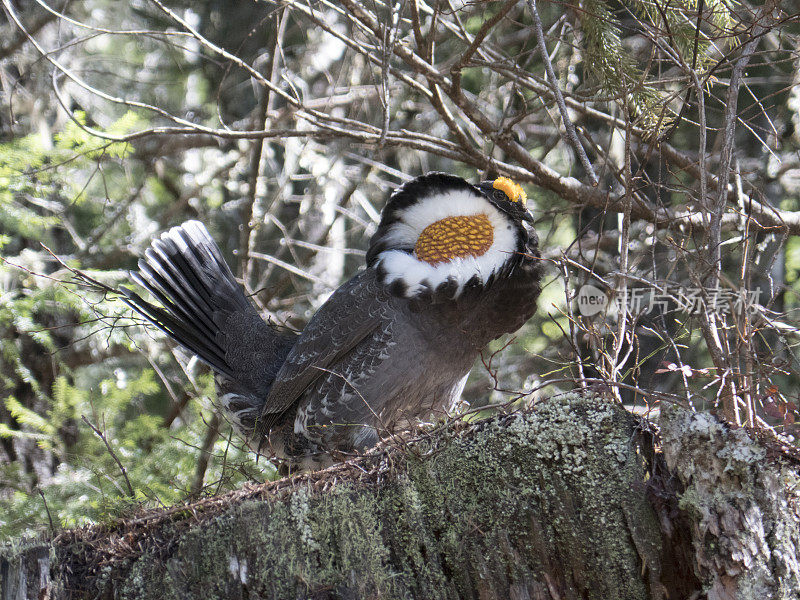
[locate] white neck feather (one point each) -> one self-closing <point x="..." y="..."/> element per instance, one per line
<point x="419" y="275"/>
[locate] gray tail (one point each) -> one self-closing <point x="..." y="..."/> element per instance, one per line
<point x="185" y="270"/>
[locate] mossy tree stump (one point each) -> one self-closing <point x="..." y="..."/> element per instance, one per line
<point x="566" y="501"/>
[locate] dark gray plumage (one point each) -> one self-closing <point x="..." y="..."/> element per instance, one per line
<point x="393" y="344"/>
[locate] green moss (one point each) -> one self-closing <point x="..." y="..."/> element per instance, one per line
<point x="513" y="506"/>
<point x="495" y="506"/>
<point x="506" y="506"/>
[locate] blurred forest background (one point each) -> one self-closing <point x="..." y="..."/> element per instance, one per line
<point x="657" y="139"/>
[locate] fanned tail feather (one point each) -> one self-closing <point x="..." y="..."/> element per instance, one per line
<point x="185" y="271"/>
<point x="205" y="310"/>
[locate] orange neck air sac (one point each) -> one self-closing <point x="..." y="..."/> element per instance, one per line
<point x="454" y="237"/>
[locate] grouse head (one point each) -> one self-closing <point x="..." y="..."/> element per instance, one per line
<point x="442" y="235"/>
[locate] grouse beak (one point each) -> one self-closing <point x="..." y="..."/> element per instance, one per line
<point x="519" y="211"/>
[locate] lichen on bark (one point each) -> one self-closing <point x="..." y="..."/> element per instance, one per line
<point x="532" y="503"/>
<point x="546" y="503"/>
<point x="742" y="504"/>
<point x="569" y="499"/>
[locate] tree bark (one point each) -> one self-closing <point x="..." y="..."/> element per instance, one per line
<point x="740" y="498"/>
<point x="570" y="500"/>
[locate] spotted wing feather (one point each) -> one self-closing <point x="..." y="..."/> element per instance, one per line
<point x="350" y="317"/>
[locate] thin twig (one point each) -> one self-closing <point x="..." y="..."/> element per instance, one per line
<point x="713" y="327"/>
<point x="122" y="469"/>
<point x="212" y="432"/>
<point x="569" y="128"/>
<point x="47" y="509"/>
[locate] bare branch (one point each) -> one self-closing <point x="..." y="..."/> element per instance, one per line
<point x="569" y="128"/>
